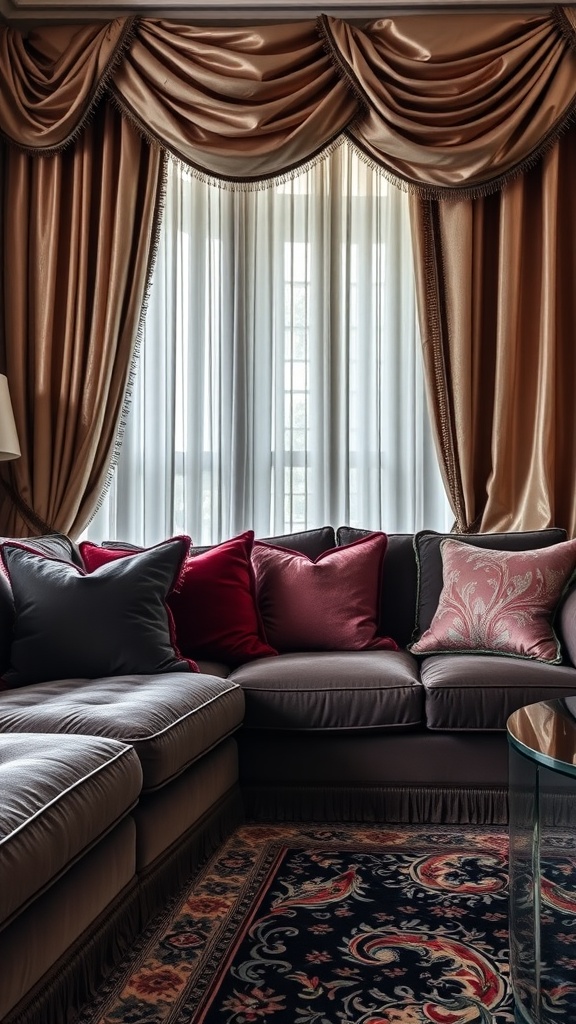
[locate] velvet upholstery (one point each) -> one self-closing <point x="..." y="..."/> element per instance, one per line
<point x="479" y="693"/>
<point x="332" y="692"/>
<point x="370" y="735"/>
<point x="329" y="603"/>
<point x="214" y="604"/>
<point x="171" y="719"/>
<point x="115" y="621"/>
<point x="61" y="794"/>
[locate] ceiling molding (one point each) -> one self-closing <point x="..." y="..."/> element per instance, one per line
<point x="43" y="11"/>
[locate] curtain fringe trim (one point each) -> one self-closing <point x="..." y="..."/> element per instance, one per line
<point x="126" y="37"/>
<point x="565" y="19"/>
<point x="259" y="184"/>
<point x="223" y="181"/>
<point x="480" y="190"/>
<point x="433" y="265"/>
<point x="342" y="68"/>
<point x="560" y="15"/>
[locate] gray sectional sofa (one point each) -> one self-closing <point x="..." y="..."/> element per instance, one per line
<point x="114" y="788"/>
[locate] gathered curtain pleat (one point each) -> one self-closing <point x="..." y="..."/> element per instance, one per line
<point x="238" y="103"/>
<point x="51" y="79"/>
<point x="453" y="104"/>
<point x="456" y="105"/>
<point x="77" y="245"/>
<point x="497" y="278"/>
<point x="450" y="106"/>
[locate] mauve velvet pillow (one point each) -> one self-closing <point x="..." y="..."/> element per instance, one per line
<point x="499" y="602"/>
<point x="70" y="624"/>
<point x="329" y="604"/>
<point x="214" y="604"/>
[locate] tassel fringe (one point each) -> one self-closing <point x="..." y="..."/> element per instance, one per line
<point x="341" y="68"/>
<point x="384" y="804"/>
<point x="565" y="18"/>
<point x="232" y="183"/>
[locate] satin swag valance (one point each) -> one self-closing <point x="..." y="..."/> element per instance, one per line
<point x="450" y="105"/>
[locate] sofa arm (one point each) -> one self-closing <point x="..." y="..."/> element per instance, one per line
<point x="567" y="623"/>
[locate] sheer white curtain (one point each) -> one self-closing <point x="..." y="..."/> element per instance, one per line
<point x="279" y="383"/>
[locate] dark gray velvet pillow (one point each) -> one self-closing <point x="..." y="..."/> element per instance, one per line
<point x="114" y="621"/>
<point x="56" y="544"/>
<point x="429" y="561"/>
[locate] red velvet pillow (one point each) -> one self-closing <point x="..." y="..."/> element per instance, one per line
<point x="213" y="605"/>
<point x="329" y="604"/>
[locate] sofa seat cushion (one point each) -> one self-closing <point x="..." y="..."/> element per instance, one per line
<point x="332" y="691"/>
<point x="60" y="795"/>
<point x="480" y="692"/>
<point x="170" y="719"/>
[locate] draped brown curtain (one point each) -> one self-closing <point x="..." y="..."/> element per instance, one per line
<point x="453" y="107"/>
<point x="496" y="276"/>
<point x="78" y="228"/>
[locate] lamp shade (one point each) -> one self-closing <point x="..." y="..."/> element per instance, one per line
<point x="9" y="444"/>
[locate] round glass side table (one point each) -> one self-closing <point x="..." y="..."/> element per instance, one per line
<point x="542" y="803"/>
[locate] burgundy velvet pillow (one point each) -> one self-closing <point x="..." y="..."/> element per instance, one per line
<point x="329" y="604"/>
<point x="213" y="606"/>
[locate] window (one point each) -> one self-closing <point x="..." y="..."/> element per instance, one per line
<point x="279" y="384"/>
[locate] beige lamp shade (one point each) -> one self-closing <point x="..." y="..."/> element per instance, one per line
<point x="9" y="444"/>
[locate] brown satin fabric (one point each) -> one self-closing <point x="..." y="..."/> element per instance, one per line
<point x="458" y="101"/>
<point x="50" y="79"/>
<point x="79" y="229"/>
<point x="443" y="102"/>
<point x="495" y="282"/>
<point x="236" y="103"/>
<point x="454" y="105"/>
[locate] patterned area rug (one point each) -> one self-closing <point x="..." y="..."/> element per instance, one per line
<point x="292" y="924"/>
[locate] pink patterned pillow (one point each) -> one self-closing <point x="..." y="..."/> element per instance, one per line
<point x="499" y="602"/>
<point x="330" y="604"/>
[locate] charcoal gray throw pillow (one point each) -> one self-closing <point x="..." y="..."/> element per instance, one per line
<point x="73" y="624"/>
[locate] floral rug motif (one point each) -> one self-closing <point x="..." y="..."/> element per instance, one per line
<point x="343" y="924"/>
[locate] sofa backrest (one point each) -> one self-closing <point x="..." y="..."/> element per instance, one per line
<point x="412" y="569"/>
<point x="399" y="581"/>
